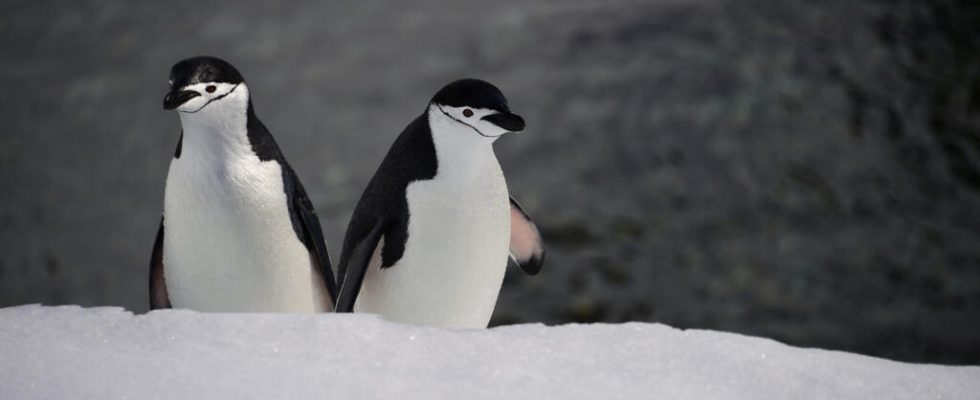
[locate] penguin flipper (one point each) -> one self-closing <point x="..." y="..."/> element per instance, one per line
<point x="357" y="265"/>
<point x="313" y="238"/>
<point x="158" y="286"/>
<point x="526" y="245"/>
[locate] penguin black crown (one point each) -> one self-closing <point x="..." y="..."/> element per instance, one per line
<point x="239" y="233"/>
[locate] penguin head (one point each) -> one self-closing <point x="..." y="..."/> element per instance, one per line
<point x="196" y="83"/>
<point x="478" y="105"/>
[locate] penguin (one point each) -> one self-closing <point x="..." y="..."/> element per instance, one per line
<point x="238" y="232"/>
<point x="430" y="239"/>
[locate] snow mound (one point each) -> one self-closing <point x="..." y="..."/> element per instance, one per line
<point x="109" y="353"/>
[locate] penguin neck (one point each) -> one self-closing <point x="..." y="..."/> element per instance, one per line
<point x="461" y="152"/>
<point x="218" y="133"/>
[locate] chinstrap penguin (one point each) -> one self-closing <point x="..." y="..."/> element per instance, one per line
<point x="429" y="240"/>
<point x="238" y="232"/>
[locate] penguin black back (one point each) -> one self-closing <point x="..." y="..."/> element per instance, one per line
<point x="411" y="158"/>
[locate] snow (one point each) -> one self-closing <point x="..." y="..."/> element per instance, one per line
<point x="108" y="353"/>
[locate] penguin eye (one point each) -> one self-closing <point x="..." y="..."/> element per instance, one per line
<point x="210" y="88"/>
<point x="467" y="112"/>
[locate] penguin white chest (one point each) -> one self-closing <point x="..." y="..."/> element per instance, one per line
<point x="229" y="244"/>
<point x="455" y="255"/>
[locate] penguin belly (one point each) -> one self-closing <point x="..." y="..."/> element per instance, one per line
<point x="229" y="244"/>
<point x="455" y="255"/>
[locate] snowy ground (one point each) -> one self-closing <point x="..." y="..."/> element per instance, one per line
<point x="109" y="353"/>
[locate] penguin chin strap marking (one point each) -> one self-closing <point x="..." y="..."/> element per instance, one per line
<point x="212" y="100"/>
<point x="464" y="123"/>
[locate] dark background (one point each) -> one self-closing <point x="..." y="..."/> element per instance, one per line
<point x="807" y="171"/>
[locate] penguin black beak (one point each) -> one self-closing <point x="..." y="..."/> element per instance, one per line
<point x="509" y="121"/>
<point x="177" y="97"/>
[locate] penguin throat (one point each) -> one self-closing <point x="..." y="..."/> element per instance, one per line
<point x="458" y="150"/>
<point x="218" y="133"/>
